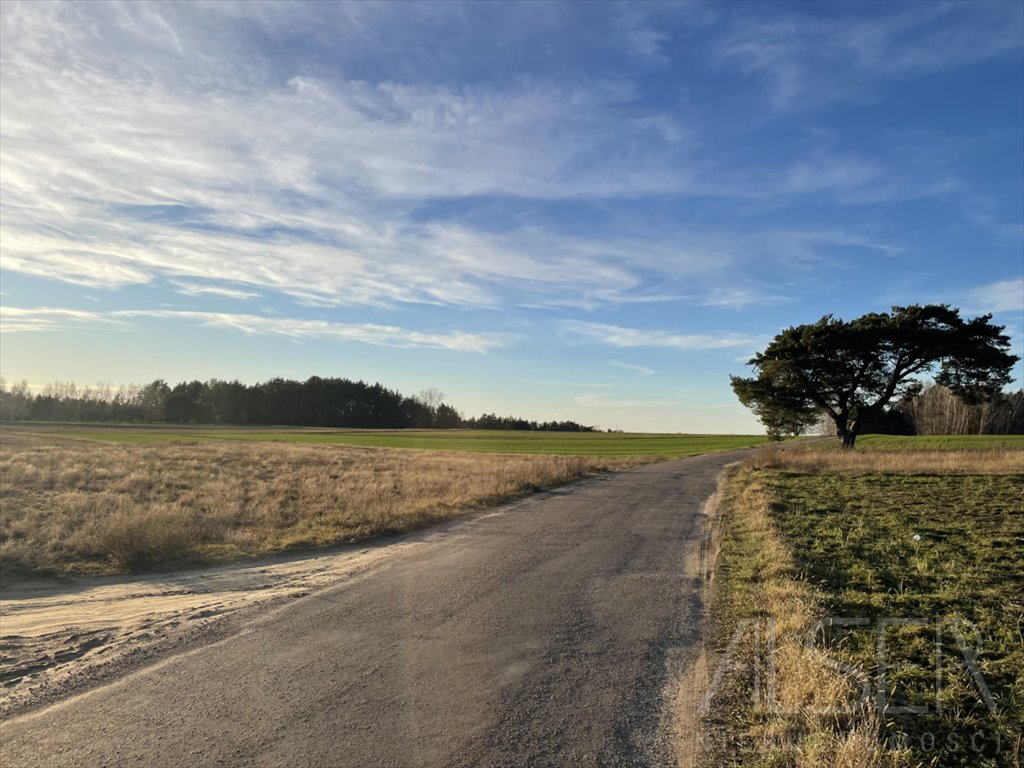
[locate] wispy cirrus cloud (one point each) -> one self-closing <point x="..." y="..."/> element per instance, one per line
<point x="205" y="162"/>
<point x="194" y="289"/>
<point x="740" y="298"/>
<point x="601" y="401"/>
<point x="142" y="142"/>
<point x="573" y="384"/>
<point x="1000" y="296"/>
<point x="21" y="319"/>
<point x="641" y="369"/>
<point x="623" y="337"/>
<point x="807" y="60"/>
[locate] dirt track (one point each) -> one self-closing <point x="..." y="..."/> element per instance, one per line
<point x="550" y="632"/>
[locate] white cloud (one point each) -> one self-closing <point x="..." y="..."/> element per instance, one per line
<point x="632" y="367"/>
<point x="17" y="319"/>
<point x="148" y="141"/>
<point x="806" y="60"/>
<point x="639" y="36"/>
<point x="136" y="147"/>
<point x="575" y="384"/>
<point x="619" y="336"/>
<point x="192" y="289"/>
<point x="1001" y="296"/>
<point x="600" y="401"/>
<point x="739" y="298"/>
<point x="304" y="189"/>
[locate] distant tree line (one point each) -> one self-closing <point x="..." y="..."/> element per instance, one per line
<point x="316" y="402"/>
<point x="493" y="421"/>
<point x="935" y="410"/>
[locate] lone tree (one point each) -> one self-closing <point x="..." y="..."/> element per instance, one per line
<point x="850" y="370"/>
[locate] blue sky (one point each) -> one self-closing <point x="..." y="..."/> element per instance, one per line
<point x="578" y="210"/>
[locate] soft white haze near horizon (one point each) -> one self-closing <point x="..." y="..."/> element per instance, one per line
<point x="555" y="210"/>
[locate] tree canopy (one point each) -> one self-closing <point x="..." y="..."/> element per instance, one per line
<point x="849" y="370"/>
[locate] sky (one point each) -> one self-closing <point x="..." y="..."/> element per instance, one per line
<point x="556" y="210"/>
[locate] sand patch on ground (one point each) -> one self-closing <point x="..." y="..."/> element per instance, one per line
<point x="58" y="639"/>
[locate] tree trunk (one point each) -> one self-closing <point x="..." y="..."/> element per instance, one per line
<point x="843" y="431"/>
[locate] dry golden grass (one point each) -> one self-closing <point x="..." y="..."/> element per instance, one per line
<point x="73" y="507"/>
<point x="900" y="462"/>
<point x="813" y="719"/>
<point x="805" y="687"/>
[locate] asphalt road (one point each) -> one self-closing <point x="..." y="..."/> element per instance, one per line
<point x="540" y="636"/>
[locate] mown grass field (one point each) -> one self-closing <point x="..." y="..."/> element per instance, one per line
<point x="939" y="442"/>
<point x="889" y="536"/>
<point x="855" y="538"/>
<point x="482" y="441"/>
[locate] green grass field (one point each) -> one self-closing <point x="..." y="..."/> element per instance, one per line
<point x="932" y="442"/>
<point x="484" y="441"/>
<point x="854" y="536"/>
<point x="919" y="565"/>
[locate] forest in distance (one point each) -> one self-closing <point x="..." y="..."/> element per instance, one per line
<point x="315" y="402"/>
<point x="343" y="403"/>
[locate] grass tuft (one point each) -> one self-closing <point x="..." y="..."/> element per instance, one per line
<point x="812" y="459"/>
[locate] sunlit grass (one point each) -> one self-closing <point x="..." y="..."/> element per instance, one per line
<point x="938" y="442"/>
<point x="75" y="506"/>
<point x="777" y="703"/>
<point x="903" y="461"/>
<point x="936" y="536"/>
<point x="484" y="441"/>
<point x="941" y="549"/>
